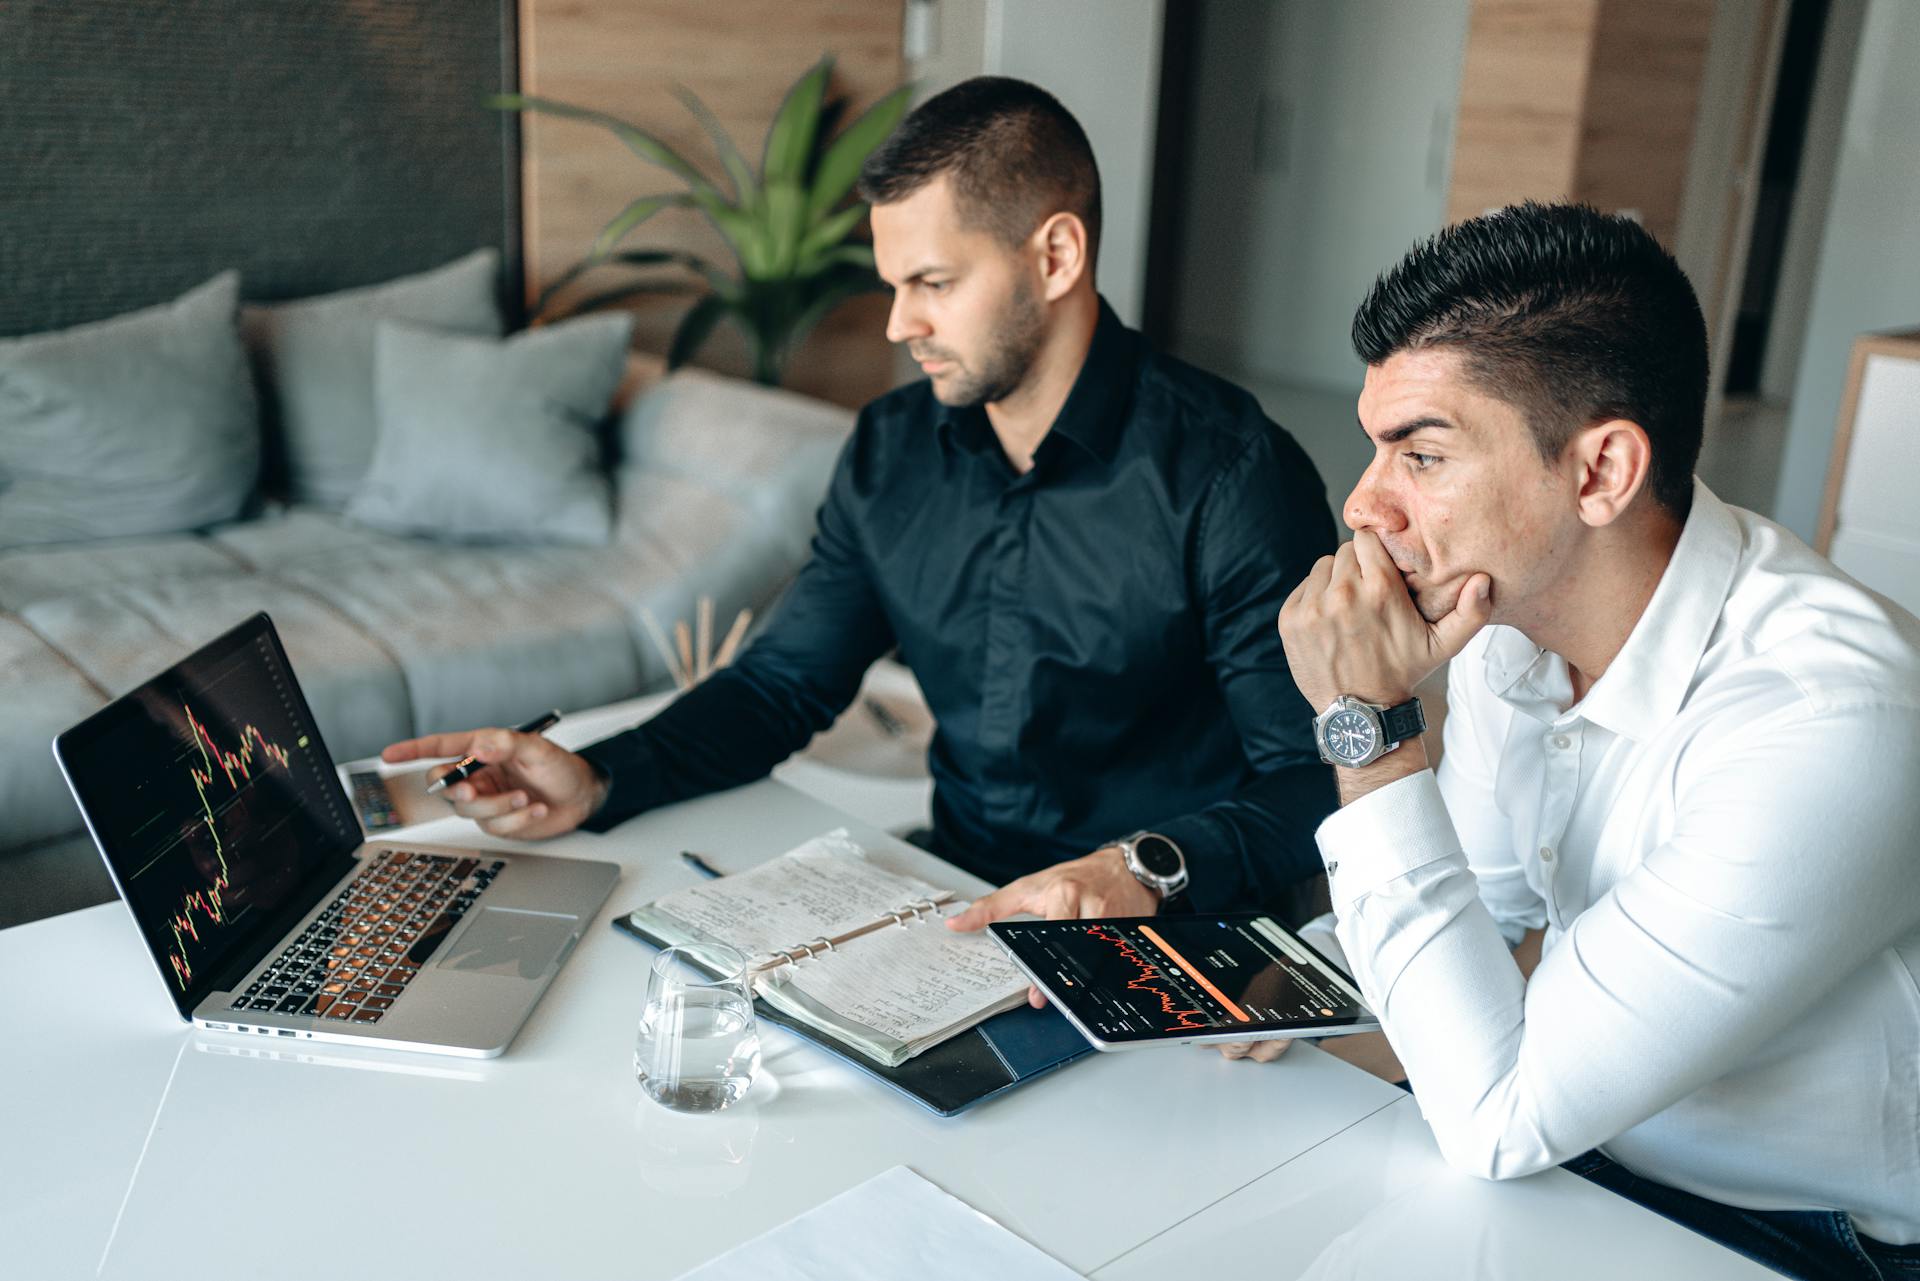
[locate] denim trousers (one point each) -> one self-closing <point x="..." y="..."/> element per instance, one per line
<point x="1817" y="1245"/>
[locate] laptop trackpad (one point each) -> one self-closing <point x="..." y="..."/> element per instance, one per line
<point x="506" y="941"/>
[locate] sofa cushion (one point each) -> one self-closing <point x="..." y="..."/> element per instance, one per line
<point x="316" y="356"/>
<point x="43" y="695"/>
<point x="772" y="450"/>
<point x="120" y="636"/>
<point x="142" y="424"/>
<point x="483" y="636"/>
<point x="285" y="536"/>
<point x="494" y="441"/>
<point x="29" y="574"/>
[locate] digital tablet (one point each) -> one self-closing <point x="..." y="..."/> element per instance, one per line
<point x="1179" y="980"/>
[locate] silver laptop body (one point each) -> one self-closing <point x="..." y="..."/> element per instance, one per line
<point x="221" y="818"/>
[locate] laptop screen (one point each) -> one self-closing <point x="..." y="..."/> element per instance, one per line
<point x="214" y="801"/>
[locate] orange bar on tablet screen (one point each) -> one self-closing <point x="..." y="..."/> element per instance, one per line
<point x="1195" y="975"/>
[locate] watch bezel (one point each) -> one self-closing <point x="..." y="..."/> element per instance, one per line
<point x="1375" y="715"/>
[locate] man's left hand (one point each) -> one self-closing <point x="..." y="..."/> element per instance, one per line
<point x="1351" y="628"/>
<point x="1098" y="885"/>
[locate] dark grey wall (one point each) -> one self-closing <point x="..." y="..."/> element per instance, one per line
<point x="314" y="144"/>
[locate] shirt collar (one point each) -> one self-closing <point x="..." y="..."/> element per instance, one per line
<point x="1648" y="680"/>
<point x="1096" y="408"/>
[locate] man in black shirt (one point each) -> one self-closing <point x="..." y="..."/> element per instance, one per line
<point x="1079" y="546"/>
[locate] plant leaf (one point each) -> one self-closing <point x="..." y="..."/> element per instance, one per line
<point x="624" y="292"/>
<point x="854" y="255"/>
<point x="785" y="224"/>
<point x="694" y="328"/>
<point x="743" y="232"/>
<point x="831" y="231"/>
<point x="790" y="138"/>
<point x="731" y="160"/>
<point x="833" y="288"/>
<point x="632" y="216"/>
<point x="719" y="280"/>
<point x="638" y="140"/>
<point x="840" y="167"/>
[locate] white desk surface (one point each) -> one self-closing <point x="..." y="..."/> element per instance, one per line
<point x="134" y="1146"/>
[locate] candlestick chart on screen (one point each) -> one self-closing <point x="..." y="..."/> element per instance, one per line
<point x="219" y="776"/>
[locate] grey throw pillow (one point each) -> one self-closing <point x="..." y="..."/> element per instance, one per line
<point x="316" y="356"/>
<point x="142" y="424"/>
<point x="486" y="441"/>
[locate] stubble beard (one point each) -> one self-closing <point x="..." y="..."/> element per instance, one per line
<point x="1004" y="366"/>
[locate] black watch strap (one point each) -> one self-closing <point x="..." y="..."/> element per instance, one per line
<point x="1403" y="722"/>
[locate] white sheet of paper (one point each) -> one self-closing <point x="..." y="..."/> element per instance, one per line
<point x="895" y="1224"/>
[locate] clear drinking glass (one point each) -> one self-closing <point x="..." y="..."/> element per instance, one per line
<point x="698" y="1048"/>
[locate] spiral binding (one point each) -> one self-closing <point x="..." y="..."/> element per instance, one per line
<point x="917" y="910"/>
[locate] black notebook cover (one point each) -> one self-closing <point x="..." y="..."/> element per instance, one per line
<point x="988" y="1059"/>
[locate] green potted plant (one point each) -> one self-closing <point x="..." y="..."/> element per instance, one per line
<point x="789" y="226"/>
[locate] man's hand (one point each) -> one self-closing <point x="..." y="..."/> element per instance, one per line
<point x="1351" y="628"/>
<point x="1095" y="886"/>
<point x="531" y="788"/>
<point x="1258" y="1051"/>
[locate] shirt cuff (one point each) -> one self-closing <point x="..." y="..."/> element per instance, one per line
<point x="1383" y="836"/>
<point x="626" y="761"/>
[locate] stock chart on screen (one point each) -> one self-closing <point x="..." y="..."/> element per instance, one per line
<point x="1175" y="974"/>
<point x="212" y="796"/>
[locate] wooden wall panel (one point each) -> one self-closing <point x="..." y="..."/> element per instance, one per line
<point x="1589" y="100"/>
<point x="740" y="56"/>
<point x="1643" y="91"/>
<point x="1522" y="89"/>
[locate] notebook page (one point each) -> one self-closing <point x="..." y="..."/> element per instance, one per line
<point x="825" y="887"/>
<point x="913" y="982"/>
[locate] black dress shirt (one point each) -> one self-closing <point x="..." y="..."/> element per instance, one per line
<point x="1096" y="638"/>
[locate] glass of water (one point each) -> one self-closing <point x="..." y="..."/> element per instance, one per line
<point x="697" y="1049"/>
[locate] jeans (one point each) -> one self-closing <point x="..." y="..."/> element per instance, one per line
<point x="1817" y="1245"/>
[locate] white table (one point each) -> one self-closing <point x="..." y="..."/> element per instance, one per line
<point x="133" y="1146"/>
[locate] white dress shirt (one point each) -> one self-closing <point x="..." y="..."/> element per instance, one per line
<point x="1722" y="841"/>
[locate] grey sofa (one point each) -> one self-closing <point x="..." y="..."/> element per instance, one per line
<point x="717" y="484"/>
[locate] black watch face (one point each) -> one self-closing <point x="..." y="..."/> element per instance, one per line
<point x="1349" y="736"/>
<point x="1157" y="855"/>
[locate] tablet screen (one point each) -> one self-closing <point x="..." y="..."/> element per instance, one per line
<point x="1183" y="978"/>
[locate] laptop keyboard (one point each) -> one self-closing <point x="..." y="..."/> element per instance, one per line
<point x="355" y="959"/>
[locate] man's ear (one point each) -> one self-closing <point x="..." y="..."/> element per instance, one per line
<point x="1060" y="248"/>
<point x="1614" y="460"/>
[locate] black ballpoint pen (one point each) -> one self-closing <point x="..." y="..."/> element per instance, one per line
<point x="467" y="766"/>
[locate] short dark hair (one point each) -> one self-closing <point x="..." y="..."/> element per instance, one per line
<point x="1015" y="155"/>
<point x="1571" y="315"/>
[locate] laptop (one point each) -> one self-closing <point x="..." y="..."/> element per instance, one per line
<point x="217" y="808"/>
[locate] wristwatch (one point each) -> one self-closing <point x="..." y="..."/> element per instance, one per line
<point x="1353" y="732"/>
<point x="1155" y="862"/>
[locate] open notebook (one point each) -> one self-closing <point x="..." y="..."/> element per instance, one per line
<point x="847" y="946"/>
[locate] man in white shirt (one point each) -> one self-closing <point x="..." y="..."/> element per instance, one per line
<point x="1682" y="757"/>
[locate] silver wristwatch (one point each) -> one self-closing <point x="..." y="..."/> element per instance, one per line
<point x="1155" y="862"/>
<point x="1353" y="732"/>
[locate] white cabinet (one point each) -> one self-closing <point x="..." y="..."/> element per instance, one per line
<point x="1870" y="521"/>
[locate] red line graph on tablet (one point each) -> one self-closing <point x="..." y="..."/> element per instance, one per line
<point x="1150" y="979"/>
<point x="238" y="769"/>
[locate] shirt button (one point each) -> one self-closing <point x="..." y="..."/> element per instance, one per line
<point x="1562" y="742"/>
<point x="1546" y="853"/>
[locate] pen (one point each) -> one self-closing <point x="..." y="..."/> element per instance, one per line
<point x="700" y="865"/>
<point x="468" y="766"/>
